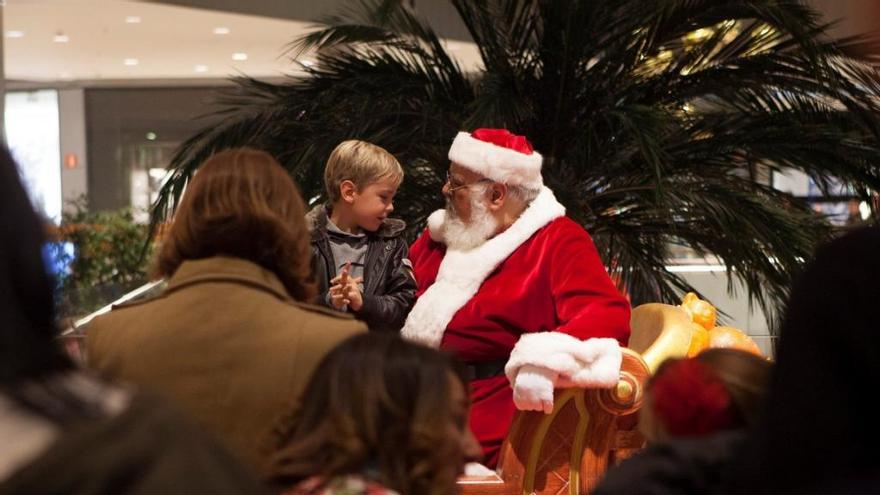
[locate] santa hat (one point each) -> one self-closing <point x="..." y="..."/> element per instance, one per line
<point x="499" y="155"/>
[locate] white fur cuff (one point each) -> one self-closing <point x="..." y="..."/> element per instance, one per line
<point x="591" y="363"/>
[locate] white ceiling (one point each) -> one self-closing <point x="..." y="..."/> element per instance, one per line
<point x="168" y="42"/>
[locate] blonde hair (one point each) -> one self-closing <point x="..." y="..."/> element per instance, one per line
<point x="360" y="162"/>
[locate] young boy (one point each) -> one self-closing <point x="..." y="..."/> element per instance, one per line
<point x="359" y="256"/>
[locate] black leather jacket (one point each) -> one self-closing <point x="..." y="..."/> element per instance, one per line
<point x="389" y="285"/>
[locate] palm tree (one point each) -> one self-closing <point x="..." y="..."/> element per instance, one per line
<point x="656" y="118"/>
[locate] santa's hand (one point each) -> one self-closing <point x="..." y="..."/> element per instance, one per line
<point x="533" y="389"/>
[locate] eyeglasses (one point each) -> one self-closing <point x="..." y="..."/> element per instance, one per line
<point x="454" y="187"/>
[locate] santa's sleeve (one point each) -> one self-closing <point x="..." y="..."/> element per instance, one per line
<point x="587" y="302"/>
<point x="584" y="349"/>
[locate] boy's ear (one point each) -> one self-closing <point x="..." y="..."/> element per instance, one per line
<point x="347" y="191"/>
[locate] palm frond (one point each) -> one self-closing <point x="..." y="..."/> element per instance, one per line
<point x="653" y="118"/>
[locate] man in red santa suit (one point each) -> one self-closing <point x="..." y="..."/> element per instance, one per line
<point x="513" y="287"/>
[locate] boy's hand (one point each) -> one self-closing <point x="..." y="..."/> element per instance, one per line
<point x="345" y="293"/>
<point x="353" y="293"/>
<point x="342" y="278"/>
<point x="336" y="298"/>
<point x="347" y="296"/>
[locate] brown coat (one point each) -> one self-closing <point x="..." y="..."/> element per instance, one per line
<point x="225" y="341"/>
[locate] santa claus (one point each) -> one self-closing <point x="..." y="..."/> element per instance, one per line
<point x="513" y="287"/>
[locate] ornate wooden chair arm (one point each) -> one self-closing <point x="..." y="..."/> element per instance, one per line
<point x="569" y="449"/>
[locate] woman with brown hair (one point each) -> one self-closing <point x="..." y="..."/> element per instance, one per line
<point x="230" y="339"/>
<point x="242" y="204"/>
<point x="380" y="416"/>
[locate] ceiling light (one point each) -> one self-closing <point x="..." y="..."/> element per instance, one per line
<point x="201" y="68"/>
<point x="308" y="63"/>
<point x="60" y="38"/>
<point x="15" y="34"/>
<point x="131" y="62"/>
<point x="221" y="30"/>
<point x="151" y="136"/>
<point x="132" y="19"/>
<point x="239" y="56"/>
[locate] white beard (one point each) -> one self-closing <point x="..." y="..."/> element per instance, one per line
<point x="464" y="236"/>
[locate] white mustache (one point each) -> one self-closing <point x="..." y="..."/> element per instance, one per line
<point x="464" y="236"/>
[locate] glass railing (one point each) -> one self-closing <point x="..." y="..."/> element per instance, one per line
<point x="72" y="338"/>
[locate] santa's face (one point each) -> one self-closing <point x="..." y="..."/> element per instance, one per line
<point x="469" y="222"/>
<point x="460" y="191"/>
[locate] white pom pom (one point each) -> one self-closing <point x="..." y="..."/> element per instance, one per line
<point x="435" y="225"/>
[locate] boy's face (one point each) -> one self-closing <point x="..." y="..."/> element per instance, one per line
<point x="373" y="203"/>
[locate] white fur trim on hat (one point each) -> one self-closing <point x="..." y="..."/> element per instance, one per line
<point x="461" y="273"/>
<point x="499" y="164"/>
<point x="591" y="363"/>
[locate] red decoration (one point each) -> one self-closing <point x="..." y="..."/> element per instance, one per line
<point x="504" y="139"/>
<point x="690" y="400"/>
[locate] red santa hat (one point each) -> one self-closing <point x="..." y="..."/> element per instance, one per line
<point x="499" y="155"/>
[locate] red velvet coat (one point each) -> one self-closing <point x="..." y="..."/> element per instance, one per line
<point x="554" y="281"/>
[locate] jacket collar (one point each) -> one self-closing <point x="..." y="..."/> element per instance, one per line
<point x="316" y="220"/>
<point x="226" y="269"/>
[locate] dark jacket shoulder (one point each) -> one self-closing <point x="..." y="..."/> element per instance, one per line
<point x="682" y="466"/>
<point x="138" y="451"/>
